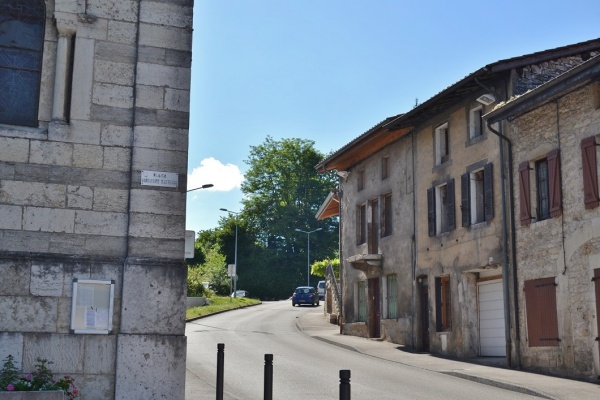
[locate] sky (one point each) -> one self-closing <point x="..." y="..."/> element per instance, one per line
<point x="329" y="70"/>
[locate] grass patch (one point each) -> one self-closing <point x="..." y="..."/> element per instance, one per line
<point x="218" y="304"/>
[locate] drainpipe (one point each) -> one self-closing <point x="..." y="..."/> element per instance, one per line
<point x="341" y="318"/>
<point x="513" y="248"/>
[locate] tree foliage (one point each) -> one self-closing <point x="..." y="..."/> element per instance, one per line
<point x="282" y="193"/>
<point x="319" y="268"/>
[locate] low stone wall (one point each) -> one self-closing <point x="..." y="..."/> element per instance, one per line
<point x="195" y="302"/>
<point x="47" y="395"/>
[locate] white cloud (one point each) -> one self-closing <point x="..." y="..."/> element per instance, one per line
<point x="224" y="177"/>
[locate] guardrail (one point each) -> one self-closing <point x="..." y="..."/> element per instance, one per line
<point x="268" y="374"/>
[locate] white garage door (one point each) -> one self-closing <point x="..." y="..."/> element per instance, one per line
<point x="491" y="319"/>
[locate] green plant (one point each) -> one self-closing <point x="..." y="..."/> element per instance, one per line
<point x="41" y="379"/>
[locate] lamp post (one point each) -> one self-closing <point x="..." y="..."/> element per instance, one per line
<point x="235" y="251"/>
<point x="208" y="185"/>
<point x="308" y="254"/>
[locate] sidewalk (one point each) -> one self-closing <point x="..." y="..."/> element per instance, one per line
<point x="315" y="325"/>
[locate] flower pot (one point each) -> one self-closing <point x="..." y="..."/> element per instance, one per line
<point x="43" y="395"/>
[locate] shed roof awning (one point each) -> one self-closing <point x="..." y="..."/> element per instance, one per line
<point x="330" y="207"/>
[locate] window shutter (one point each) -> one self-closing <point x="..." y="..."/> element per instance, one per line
<point x="590" y="172"/>
<point x="451" y="203"/>
<point x="524" y="194"/>
<point x="431" y="211"/>
<point x="555" y="186"/>
<point x="465" y="185"/>
<point x="438" y="305"/>
<point x="488" y="191"/>
<point x="542" y="320"/>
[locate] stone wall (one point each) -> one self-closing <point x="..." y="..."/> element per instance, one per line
<point x="72" y="204"/>
<point x="566" y="247"/>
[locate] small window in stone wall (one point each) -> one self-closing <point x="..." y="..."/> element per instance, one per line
<point x="92" y="306"/>
<point x="475" y="122"/>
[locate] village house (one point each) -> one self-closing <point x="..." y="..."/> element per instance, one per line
<point x="449" y="249"/>
<point x="554" y="131"/>
<point x="94" y="110"/>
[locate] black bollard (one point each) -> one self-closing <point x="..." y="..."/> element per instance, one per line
<point x="220" y="369"/>
<point x="268" y="377"/>
<point x="344" y="384"/>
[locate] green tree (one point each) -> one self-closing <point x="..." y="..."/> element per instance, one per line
<point x="283" y="192"/>
<point x="319" y="268"/>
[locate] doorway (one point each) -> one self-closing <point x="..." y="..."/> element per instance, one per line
<point x="374" y="314"/>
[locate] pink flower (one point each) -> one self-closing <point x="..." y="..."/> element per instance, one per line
<point x="75" y="392"/>
<point x="66" y="376"/>
<point x="10" y="388"/>
<point x="29" y="377"/>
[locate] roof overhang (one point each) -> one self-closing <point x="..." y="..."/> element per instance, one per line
<point x="330" y="207"/>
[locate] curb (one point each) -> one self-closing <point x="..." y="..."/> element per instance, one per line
<point x="221" y="312"/>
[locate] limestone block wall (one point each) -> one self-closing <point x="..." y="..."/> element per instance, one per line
<point x="565" y="247"/>
<point x="114" y="101"/>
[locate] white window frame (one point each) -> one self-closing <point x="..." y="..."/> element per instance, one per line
<point x="477" y="205"/>
<point x="442" y="144"/>
<point x="473" y="118"/>
<point x="440" y="209"/>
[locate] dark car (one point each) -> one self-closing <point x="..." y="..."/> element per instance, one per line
<point x="305" y="295"/>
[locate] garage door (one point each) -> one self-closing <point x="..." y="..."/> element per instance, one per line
<point x="492" y="338"/>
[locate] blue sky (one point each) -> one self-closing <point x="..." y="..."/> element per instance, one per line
<point x="328" y="70"/>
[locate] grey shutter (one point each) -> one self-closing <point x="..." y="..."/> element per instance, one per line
<point x="465" y="185"/>
<point x="431" y="211"/>
<point x="488" y="191"/>
<point x="451" y="206"/>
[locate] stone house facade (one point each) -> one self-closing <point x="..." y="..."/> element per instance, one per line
<point x="94" y="101"/>
<point x="554" y="130"/>
<point x="461" y="300"/>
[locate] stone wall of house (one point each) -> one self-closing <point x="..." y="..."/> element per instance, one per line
<point x="464" y="251"/>
<point x="72" y="203"/>
<point x="565" y="247"/>
<point x="396" y="249"/>
<point x="534" y="75"/>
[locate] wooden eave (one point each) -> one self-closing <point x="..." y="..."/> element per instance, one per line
<point x="330" y="207"/>
<point x="360" y="149"/>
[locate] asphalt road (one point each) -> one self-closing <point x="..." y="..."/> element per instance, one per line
<point x="304" y="367"/>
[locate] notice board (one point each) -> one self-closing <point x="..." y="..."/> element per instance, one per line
<point x="92" y="306"/>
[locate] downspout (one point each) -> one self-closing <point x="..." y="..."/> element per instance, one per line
<point x="414" y="244"/>
<point x="517" y="345"/>
<point x="131" y="143"/>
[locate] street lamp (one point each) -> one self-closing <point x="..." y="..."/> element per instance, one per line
<point x="235" y="252"/>
<point x="208" y="185"/>
<point x="308" y="256"/>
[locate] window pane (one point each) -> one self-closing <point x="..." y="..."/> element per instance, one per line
<point x="392" y="300"/>
<point x="542" y="187"/>
<point x="21" y="44"/>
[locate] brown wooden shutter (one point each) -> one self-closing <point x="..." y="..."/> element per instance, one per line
<point x="447" y="306"/>
<point x="465" y="186"/>
<point x="542" y="319"/>
<point x="451" y="206"/>
<point x="524" y="194"/>
<point x="488" y="191"/>
<point x="555" y="186"/>
<point x="431" y="211"/>
<point x="590" y="172"/>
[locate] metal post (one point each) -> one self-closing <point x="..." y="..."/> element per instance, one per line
<point x="220" y="369"/>
<point x="308" y="262"/>
<point x="235" y="258"/>
<point x="344" y="384"/>
<point x="268" y="377"/>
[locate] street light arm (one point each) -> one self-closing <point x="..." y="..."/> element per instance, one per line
<point x="208" y="185"/>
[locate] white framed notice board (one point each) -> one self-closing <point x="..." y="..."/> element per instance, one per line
<point x="92" y="306"/>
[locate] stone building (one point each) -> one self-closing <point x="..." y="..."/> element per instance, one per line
<point x="450" y="247"/>
<point x="94" y="107"/>
<point x="554" y="131"/>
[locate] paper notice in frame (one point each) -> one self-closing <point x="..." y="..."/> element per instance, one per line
<point x="92" y="306"/>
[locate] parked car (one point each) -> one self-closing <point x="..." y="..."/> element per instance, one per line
<point x="321" y="290"/>
<point x="305" y="295"/>
<point x="240" y="293"/>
